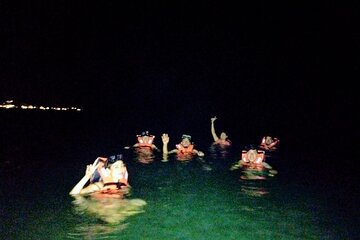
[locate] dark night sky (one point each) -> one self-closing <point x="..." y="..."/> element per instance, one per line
<point x="219" y="57"/>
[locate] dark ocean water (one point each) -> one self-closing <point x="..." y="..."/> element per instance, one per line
<point x="43" y="155"/>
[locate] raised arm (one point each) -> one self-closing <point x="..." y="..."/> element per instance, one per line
<point x="79" y="187"/>
<point x="165" y="139"/>
<point x="215" y="137"/>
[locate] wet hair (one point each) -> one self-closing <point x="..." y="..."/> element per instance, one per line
<point x="250" y="147"/>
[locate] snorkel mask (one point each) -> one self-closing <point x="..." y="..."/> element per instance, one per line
<point x="186" y="136"/>
<point x="112" y="159"/>
<point x="185" y="143"/>
<point x="141" y="139"/>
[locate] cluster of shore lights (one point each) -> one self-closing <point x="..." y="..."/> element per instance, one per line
<point x="9" y="104"/>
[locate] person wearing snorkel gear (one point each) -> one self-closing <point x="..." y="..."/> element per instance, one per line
<point x="269" y="143"/>
<point x="114" y="178"/>
<point x="253" y="163"/>
<point x="254" y="159"/>
<point x="223" y="140"/>
<point x="184" y="147"/>
<point x="145" y="141"/>
<point x="144" y="148"/>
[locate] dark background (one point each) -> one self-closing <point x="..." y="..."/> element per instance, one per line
<point x="286" y="69"/>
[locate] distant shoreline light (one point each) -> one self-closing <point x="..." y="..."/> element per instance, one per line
<point x="10" y="104"/>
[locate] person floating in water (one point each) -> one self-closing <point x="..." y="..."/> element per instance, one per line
<point x="106" y="198"/>
<point x="269" y="143"/>
<point x="145" y="147"/>
<point x="145" y="141"/>
<point x="185" y="147"/>
<point x="114" y="179"/>
<point x="253" y="165"/>
<point x="254" y="159"/>
<point x="223" y="140"/>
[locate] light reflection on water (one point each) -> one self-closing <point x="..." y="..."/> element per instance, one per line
<point x="195" y="199"/>
<point x="143" y="155"/>
<point x="253" y="190"/>
<point x="103" y="217"/>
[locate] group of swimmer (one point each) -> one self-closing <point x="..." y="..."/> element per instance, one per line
<point x="112" y="174"/>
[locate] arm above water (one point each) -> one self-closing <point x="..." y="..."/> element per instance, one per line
<point x="266" y="165"/>
<point x="199" y="153"/>
<point x="79" y="187"/>
<point x="213" y="133"/>
<point x="237" y="165"/>
<point x="165" y="139"/>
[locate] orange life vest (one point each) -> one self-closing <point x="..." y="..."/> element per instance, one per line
<point x="124" y="175"/>
<point x="252" y="157"/>
<point x="117" y="192"/>
<point x="269" y="146"/>
<point x="185" y="150"/>
<point x="147" y="143"/>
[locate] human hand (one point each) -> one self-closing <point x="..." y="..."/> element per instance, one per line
<point x="200" y="154"/>
<point x="90" y="169"/>
<point x="213" y="119"/>
<point x="165" y="138"/>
